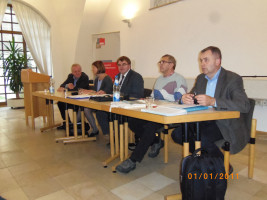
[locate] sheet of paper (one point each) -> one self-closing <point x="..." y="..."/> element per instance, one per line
<point x="166" y="111"/>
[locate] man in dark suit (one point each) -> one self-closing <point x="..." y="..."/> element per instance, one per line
<point x="223" y="90"/>
<point x="132" y="85"/>
<point x="75" y="80"/>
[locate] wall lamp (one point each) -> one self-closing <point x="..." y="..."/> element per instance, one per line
<point x="129" y="12"/>
<point x="128" y="21"/>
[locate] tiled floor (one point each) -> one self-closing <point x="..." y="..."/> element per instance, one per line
<point x="34" y="166"/>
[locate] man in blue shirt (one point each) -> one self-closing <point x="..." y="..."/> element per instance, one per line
<point x="223" y="90"/>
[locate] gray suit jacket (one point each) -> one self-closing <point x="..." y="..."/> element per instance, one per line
<point x="229" y="95"/>
<point x="106" y="85"/>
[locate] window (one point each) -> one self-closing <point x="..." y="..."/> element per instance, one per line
<point x="10" y="28"/>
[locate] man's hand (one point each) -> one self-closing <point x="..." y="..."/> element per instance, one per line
<point x="188" y="99"/>
<point x="84" y="91"/>
<point x="70" y="86"/>
<point x="101" y="92"/>
<point x="205" y="100"/>
<point x="61" y="89"/>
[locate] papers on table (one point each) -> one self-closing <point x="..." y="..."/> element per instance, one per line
<point x="161" y="110"/>
<point x="173" y="110"/>
<point x="85" y="96"/>
<point x="127" y="105"/>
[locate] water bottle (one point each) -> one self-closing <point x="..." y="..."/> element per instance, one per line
<point x="116" y="90"/>
<point x="52" y="85"/>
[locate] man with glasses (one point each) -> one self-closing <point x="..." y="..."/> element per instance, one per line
<point x="132" y="85"/>
<point x="170" y="86"/>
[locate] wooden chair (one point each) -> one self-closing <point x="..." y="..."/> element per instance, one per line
<point x="251" y="156"/>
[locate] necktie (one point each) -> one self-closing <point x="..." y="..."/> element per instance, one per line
<point x="121" y="79"/>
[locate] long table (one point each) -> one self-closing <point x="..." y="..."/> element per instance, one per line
<point x="197" y="116"/>
<point x="203" y="115"/>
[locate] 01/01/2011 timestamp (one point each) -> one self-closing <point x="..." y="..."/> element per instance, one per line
<point x="212" y="176"/>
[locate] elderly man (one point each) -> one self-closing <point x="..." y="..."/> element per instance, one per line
<point x="76" y="79"/>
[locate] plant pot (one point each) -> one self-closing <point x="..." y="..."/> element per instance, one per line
<point x="15" y="103"/>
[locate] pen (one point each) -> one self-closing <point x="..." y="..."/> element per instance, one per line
<point x="195" y="100"/>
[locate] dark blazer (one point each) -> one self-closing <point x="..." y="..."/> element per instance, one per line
<point x="106" y="85"/>
<point x="133" y="85"/>
<point x="83" y="82"/>
<point x="229" y="95"/>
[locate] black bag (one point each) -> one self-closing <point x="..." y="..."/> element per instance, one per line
<point x="203" y="177"/>
<point x="102" y="98"/>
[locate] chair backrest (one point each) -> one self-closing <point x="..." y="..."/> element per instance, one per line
<point x="147" y="92"/>
<point x="248" y="119"/>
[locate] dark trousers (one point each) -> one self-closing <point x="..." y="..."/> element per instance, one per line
<point x="146" y="132"/>
<point x="210" y="133"/>
<point x="102" y="118"/>
<point x="62" y="106"/>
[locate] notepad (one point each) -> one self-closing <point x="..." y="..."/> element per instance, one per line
<point x="173" y="110"/>
<point x="127" y="105"/>
<point x="196" y="108"/>
<point x="166" y="111"/>
<point x="81" y="96"/>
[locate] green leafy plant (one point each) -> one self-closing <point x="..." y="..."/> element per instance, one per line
<point x="13" y="64"/>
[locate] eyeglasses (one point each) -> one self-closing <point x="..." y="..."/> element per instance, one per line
<point x="122" y="65"/>
<point x="163" y="61"/>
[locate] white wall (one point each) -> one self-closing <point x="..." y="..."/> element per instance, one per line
<point x="237" y="27"/>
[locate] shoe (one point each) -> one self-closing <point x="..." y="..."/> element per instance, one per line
<point x="155" y="148"/>
<point x="126" y="166"/>
<point x="62" y="127"/>
<point x="131" y="146"/>
<point x="87" y="127"/>
<point x="92" y="134"/>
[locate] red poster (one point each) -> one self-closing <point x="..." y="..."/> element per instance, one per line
<point x="111" y="69"/>
<point x="102" y="41"/>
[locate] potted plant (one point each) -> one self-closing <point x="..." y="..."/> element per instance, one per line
<point x="13" y="64"/>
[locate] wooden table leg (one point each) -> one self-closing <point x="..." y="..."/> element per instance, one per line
<point x="77" y="138"/>
<point x="174" y="197"/>
<point x="121" y="144"/>
<point x="50" y="116"/>
<point x="126" y="136"/>
<point x="67" y="120"/>
<point x="198" y="140"/>
<point x="166" y="144"/>
<point x="113" y="151"/>
<point x="121" y="140"/>
<point x="83" y="122"/>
